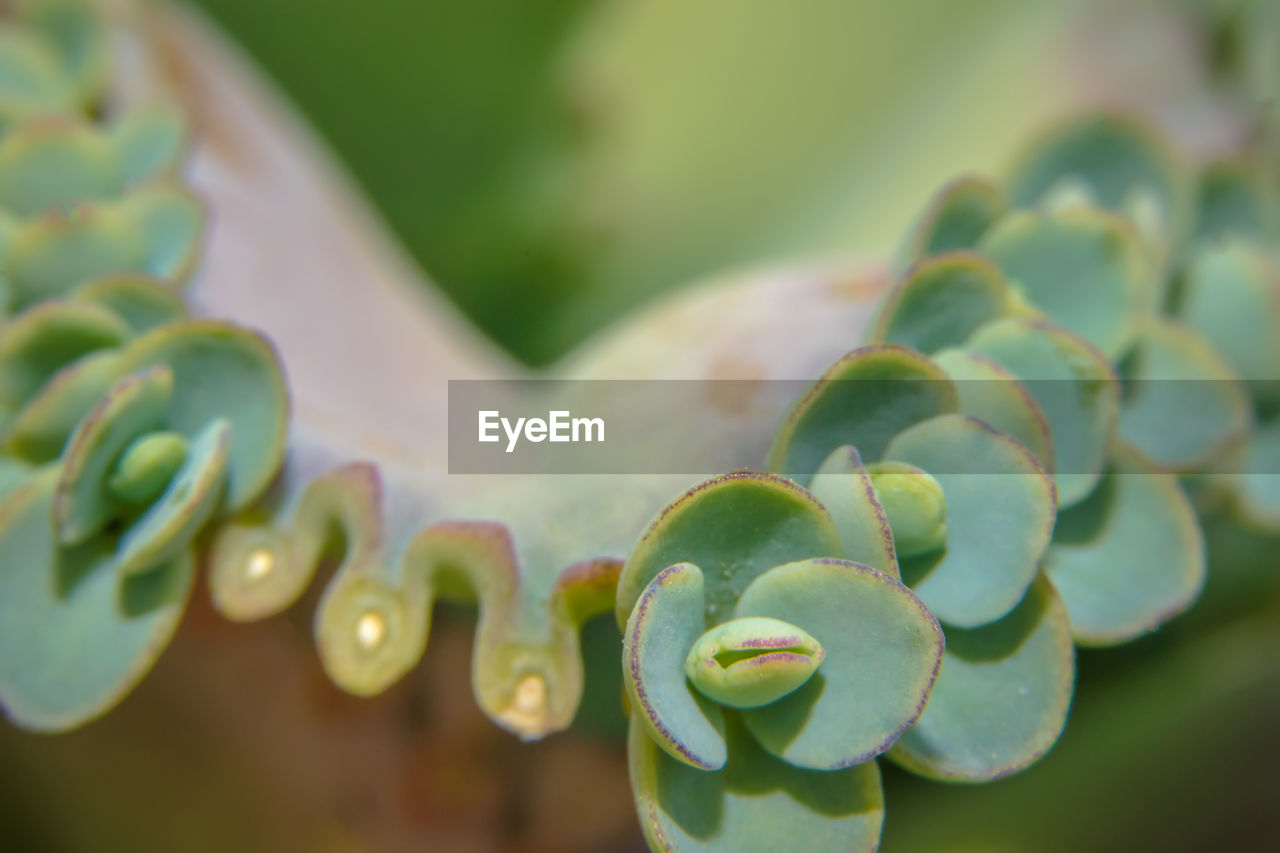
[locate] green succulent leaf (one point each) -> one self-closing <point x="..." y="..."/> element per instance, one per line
<point x="74" y="636"/>
<point x="149" y="143"/>
<point x="940" y="302"/>
<point x="757" y="802"/>
<point x="40" y="428"/>
<point x="222" y="371"/>
<point x="52" y="162"/>
<point x="1231" y="295"/>
<point x="752" y="661"/>
<point x="1257" y="480"/>
<point x="143" y="303"/>
<point x="1184" y="404"/>
<point x="1000" y="513"/>
<point x="734" y="528"/>
<point x="39" y="342"/>
<point x="1231" y="200"/>
<point x="662" y="629"/>
<point x="863" y="400"/>
<point x="173" y="520"/>
<point x="1075" y="387"/>
<point x="882" y="650"/>
<point x="991" y="393"/>
<point x="1128" y="559"/>
<point x="1002" y="695"/>
<point x="915" y="506"/>
<point x="83" y="502"/>
<point x="32" y="79"/>
<point x="77" y="32"/>
<point x="1114" y="156"/>
<point x="956" y="218"/>
<point x="1085" y="268"/>
<point x="844" y="487"/>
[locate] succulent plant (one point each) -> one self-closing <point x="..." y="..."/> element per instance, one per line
<point x="764" y="671"/>
<point x="126" y="428"/>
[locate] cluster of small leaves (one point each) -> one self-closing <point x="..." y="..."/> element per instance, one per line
<point x="1058" y="362"/>
<point x="125" y="427"/>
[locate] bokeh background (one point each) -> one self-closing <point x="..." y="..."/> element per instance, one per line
<point x="553" y="164"/>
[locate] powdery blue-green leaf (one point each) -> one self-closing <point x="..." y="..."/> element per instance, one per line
<point x="992" y="394"/>
<point x="148" y="142"/>
<point x="1184" y="405"/>
<point x="1084" y="268"/>
<point x="844" y="487"/>
<point x="662" y="628"/>
<point x="1075" y="387"/>
<point x="956" y="218"/>
<point x="54" y="161"/>
<point x="1115" y="156"/>
<point x="222" y="371"/>
<point x="1231" y="295"/>
<point x="757" y="802"/>
<point x="734" y="528"/>
<point x="143" y="303"/>
<point x="83" y="503"/>
<point x="882" y="652"/>
<point x="1257" y="480"/>
<point x="863" y="400"/>
<point x="940" y="302"/>
<point x="40" y="428"/>
<point x="74" y="636"/>
<point x="41" y="341"/>
<point x="1232" y="200"/>
<point x="1000" y="512"/>
<point x="1002" y="695"/>
<point x="1128" y="559"/>
<point x="171" y="220"/>
<point x="176" y="516"/>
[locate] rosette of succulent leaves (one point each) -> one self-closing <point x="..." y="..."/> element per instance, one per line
<point x="1071" y="368"/>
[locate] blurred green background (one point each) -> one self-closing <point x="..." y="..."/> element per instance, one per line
<point x="552" y="164"/>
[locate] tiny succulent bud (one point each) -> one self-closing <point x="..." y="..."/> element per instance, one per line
<point x="754" y="661"/>
<point x="147" y="466"/>
<point x="915" y="505"/>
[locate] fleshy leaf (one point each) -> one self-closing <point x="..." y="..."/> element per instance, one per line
<point x="193" y="495"/>
<point x="83" y="503"/>
<point x="992" y="394"/>
<point x="1085" y="268"/>
<point x="734" y="528"/>
<point x="1231" y="200"/>
<point x="1128" y="559"/>
<point x="956" y="218"/>
<point x="1000" y="512"/>
<point x="1073" y="384"/>
<point x="51" y="162"/>
<point x="1002" y="695"/>
<point x="940" y="302"/>
<point x="864" y="400"/>
<point x="756" y="803"/>
<point x="1231" y="295"/>
<point x="171" y="220"/>
<point x="143" y="303"/>
<point x="40" y="429"/>
<point x="41" y="341"/>
<point x="1115" y="156"/>
<point x="1184" y="405"/>
<point x="752" y="661"/>
<point x="1257" y="483"/>
<point x="222" y="370"/>
<point x="149" y="142"/>
<point x="844" y="487"/>
<point x="74" y="637"/>
<point x="882" y="652"/>
<point x="663" y="627"/>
